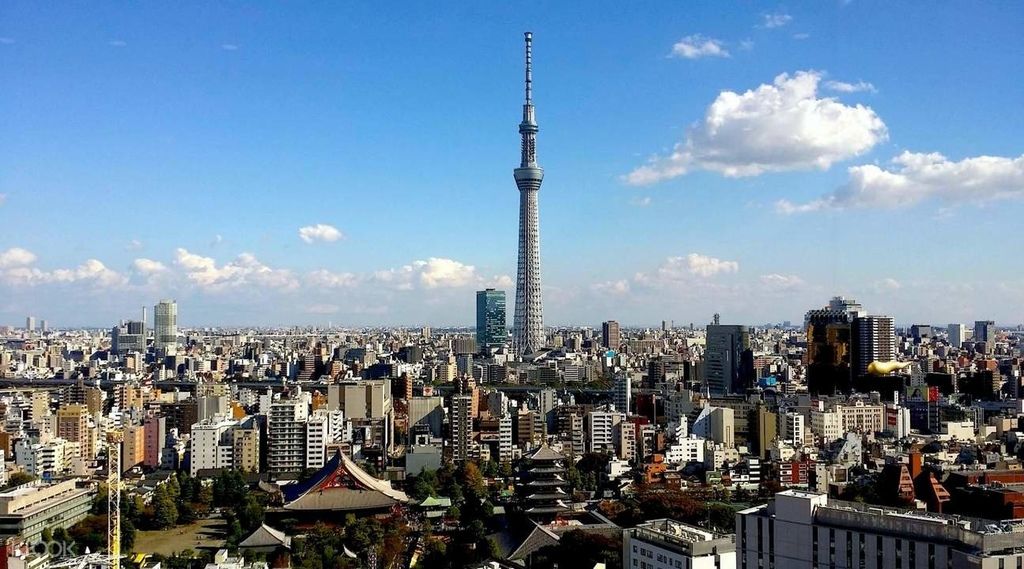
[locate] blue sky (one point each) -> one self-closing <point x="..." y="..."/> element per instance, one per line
<point x="152" y="151"/>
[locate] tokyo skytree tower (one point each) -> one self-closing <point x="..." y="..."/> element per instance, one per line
<point x="528" y="326"/>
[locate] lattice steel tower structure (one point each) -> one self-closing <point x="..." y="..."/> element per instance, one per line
<point x="528" y="325"/>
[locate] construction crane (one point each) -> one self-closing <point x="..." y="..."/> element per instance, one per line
<point x="114" y="439"/>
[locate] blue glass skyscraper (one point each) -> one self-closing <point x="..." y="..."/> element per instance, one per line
<point x="490" y="318"/>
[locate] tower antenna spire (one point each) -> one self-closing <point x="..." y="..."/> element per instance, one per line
<point x="529" y="68"/>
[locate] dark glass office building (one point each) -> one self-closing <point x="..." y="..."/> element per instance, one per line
<point x="490" y="318"/>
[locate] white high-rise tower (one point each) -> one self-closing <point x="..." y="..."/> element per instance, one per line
<point x="165" y="326"/>
<point x="528" y="326"/>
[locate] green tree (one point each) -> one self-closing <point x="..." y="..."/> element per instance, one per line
<point x="17" y="479"/>
<point x="249" y="513"/>
<point x="89" y="533"/>
<point x="165" y="510"/>
<point x="424" y="485"/>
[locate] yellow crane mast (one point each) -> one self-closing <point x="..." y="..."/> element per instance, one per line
<point x="114" y="439"/>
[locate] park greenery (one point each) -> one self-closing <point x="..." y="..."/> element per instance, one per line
<point x="180" y="500"/>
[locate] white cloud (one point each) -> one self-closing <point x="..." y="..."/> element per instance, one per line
<point x="777" y="281"/>
<point x="916" y="177"/>
<point x="641" y="201"/>
<point x="844" y="87"/>
<point x="25" y="276"/>
<point x="786" y="207"/>
<point x="499" y="281"/>
<point x="322" y="308"/>
<point x="320" y="232"/>
<point x="776" y="20"/>
<point x="436" y="273"/>
<point x="323" y="278"/>
<point x="228" y="46"/>
<point x="888" y="284"/>
<point x="92" y="270"/>
<point x="773" y="128"/>
<point x="675" y="269"/>
<point x="697" y="46"/>
<point x="147" y="267"/>
<point x="3" y="199"/>
<point x="245" y="270"/>
<point x="16" y="268"/>
<point x="619" y="287"/>
<point x="801" y="36"/>
<point x="705" y="266"/>
<point x="16" y="257"/>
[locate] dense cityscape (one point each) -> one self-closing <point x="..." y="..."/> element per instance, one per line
<point x="852" y="438"/>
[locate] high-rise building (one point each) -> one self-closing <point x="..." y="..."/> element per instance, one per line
<point x="528" y="323"/>
<point x="73" y="425"/>
<point x="920" y="331"/>
<point x="155" y="433"/>
<point x="490" y="318"/>
<point x="728" y="366"/>
<point x="622" y="393"/>
<point x="793" y="431"/>
<point x="465" y="345"/>
<point x="601" y="431"/>
<point x="286" y="437"/>
<point x="874" y="339"/>
<point x="957" y="335"/>
<point x="165" y="326"/>
<point x="505" y="439"/>
<point x="610" y="336"/>
<point x="763" y="430"/>
<point x="428" y="411"/>
<point x="985" y="332"/>
<point x="30" y="324"/>
<point x="128" y="337"/>
<point x="462" y="427"/>
<point x="849" y="306"/>
<point x="828" y="351"/>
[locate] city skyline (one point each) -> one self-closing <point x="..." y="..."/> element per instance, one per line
<point x="267" y="177"/>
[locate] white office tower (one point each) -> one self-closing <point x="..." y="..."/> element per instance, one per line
<point x="809" y="530"/>
<point x="792" y="431"/>
<point x="165" y="327"/>
<point x="286" y="437"/>
<point x="211" y="446"/>
<point x="505" y="439"/>
<point x="668" y="544"/>
<point x="324" y="430"/>
<point x="318" y="433"/>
